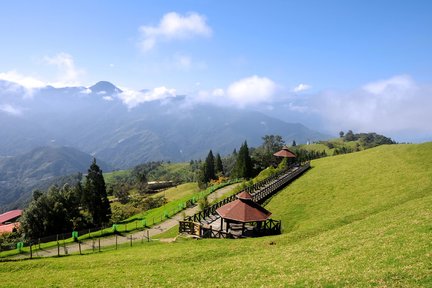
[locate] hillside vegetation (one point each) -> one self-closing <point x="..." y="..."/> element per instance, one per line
<point x="358" y="220"/>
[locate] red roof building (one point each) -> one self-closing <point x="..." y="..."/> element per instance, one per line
<point x="8" y="221"/>
<point x="10" y="216"/>
<point x="9" y="228"/>
<point x="242" y="210"/>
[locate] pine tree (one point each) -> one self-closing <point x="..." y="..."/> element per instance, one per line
<point x="243" y="168"/>
<point x="219" y="165"/>
<point x="95" y="197"/>
<point x="210" y="167"/>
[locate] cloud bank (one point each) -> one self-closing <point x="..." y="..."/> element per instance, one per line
<point x="248" y="91"/>
<point x="174" y="26"/>
<point x="132" y="98"/>
<point x="391" y="105"/>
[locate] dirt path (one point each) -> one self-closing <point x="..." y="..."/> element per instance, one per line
<point x="95" y="243"/>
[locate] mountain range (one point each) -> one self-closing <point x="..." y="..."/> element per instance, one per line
<point x="47" y="133"/>
<point x="39" y="169"/>
<point x="96" y="121"/>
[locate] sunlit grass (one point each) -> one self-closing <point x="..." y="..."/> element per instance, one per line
<point x="355" y="220"/>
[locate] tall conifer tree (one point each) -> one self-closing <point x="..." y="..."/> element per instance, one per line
<point x="219" y="165"/>
<point x="95" y="197"/>
<point x="243" y="168"/>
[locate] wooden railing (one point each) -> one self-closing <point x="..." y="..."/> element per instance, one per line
<point x="266" y="228"/>
<point x="259" y="191"/>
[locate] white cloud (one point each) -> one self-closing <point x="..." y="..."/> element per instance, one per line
<point x="25" y="81"/>
<point x="132" y="98"/>
<point x="251" y="90"/>
<point x="397" y="83"/>
<point x="174" y="26"/>
<point x="108" y="98"/>
<point x="10" y="109"/>
<point x="68" y="74"/>
<point x="301" y="87"/>
<point x="218" y="92"/>
<point x="248" y="91"/>
<point x="387" y="106"/>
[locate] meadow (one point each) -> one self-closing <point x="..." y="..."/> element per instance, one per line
<point x="359" y="220"/>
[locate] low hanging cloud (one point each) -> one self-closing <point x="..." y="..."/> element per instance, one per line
<point x="10" y="109"/>
<point x="248" y="91"/>
<point x="25" y="81"/>
<point x="67" y="75"/>
<point x="389" y="106"/>
<point x="174" y="26"/>
<point x="132" y="98"/>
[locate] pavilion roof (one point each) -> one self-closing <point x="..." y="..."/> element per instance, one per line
<point x="243" y="210"/>
<point x="244" y="195"/>
<point x="285" y="152"/>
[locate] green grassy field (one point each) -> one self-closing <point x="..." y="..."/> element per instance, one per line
<point x="356" y="220"/>
<point x="178" y="192"/>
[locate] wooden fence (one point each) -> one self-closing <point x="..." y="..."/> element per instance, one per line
<point x="266" y="228"/>
<point x="259" y="191"/>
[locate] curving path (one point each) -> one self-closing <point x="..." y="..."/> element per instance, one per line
<point x="125" y="238"/>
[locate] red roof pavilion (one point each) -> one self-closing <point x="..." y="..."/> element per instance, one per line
<point x="285" y="152"/>
<point x="243" y="210"/>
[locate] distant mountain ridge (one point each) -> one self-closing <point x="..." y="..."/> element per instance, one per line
<point x="37" y="169"/>
<point x="96" y="121"/>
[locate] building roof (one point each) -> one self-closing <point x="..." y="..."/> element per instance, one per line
<point x="285" y="152"/>
<point x="243" y="210"/>
<point x="8" y="228"/>
<point x="244" y="195"/>
<point x="10" y="215"/>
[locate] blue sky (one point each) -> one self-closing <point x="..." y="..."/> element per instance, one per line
<point x="300" y="60"/>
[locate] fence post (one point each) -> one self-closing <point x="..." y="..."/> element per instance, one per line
<point x="31" y="251"/>
<point x="131" y="240"/>
<point x="116" y="241"/>
<point x="79" y="246"/>
<point x="99" y="244"/>
<point x="148" y="237"/>
<point x="58" y="248"/>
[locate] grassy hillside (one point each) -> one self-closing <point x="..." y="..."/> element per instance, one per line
<point x="356" y="220"/>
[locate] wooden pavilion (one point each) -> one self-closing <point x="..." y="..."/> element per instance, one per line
<point x="240" y="212"/>
<point x="285" y="152"/>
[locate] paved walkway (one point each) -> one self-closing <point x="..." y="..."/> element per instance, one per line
<point x="93" y="244"/>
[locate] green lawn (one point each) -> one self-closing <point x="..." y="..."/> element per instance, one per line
<point x="179" y="191"/>
<point x="356" y="220"/>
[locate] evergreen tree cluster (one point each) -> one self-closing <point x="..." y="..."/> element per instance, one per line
<point x="367" y="140"/>
<point x="69" y="207"/>
<point x="243" y="167"/>
<point x="306" y="155"/>
<point x="211" y="169"/>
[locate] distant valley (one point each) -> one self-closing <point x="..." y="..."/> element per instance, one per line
<point x="95" y="121"/>
<point x="52" y="132"/>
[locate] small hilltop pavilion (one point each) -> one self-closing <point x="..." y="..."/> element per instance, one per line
<point x="243" y="217"/>
<point x="285" y="153"/>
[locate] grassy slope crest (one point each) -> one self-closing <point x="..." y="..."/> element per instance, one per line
<point x="357" y="220"/>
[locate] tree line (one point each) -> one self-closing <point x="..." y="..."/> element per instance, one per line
<point x="67" y="208"/>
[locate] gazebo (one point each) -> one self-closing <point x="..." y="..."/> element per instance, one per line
<point x="241" y="211"/>
<point x="285" y="152"/>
